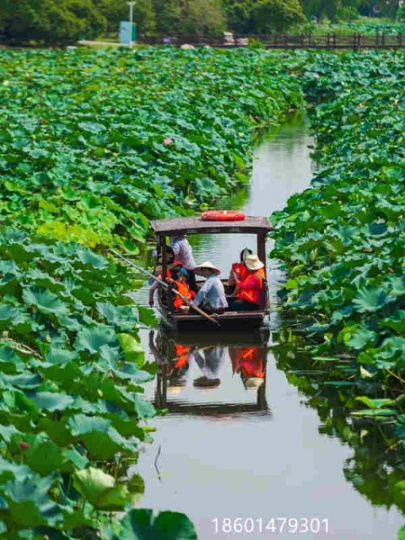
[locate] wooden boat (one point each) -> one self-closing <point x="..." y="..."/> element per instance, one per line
<point x="230" y="320"/>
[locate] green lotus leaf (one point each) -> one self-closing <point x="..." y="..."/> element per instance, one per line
<point x="133" y="350"/>
<point x="120" y="316"/>
<point x="45" y="301"/>
<point x="143" y="524"/>
<point x="29" y="503"/>
<point x="93" y="338"/>
<point x="51" y="401"/>
<point x="89" y="258"/>
<point x="25" y="381"/>
<point x="397" y="286"/>
<point x="10" y="362"/>
<point x="92" y="127"/>
<point x="396" y="321"/>
<point x="100" y="489"/>
<point x="8" y="314"/>
<point x="60" y="356"/>
<point x="361" y="337"/>
<point x="44" y="457"/>
<point x="100" y="439"/>
<point x="147" y="316"/>
<point x="370" y="299"/>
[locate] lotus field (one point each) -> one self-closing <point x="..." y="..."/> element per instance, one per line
<point x="94" y="144"/>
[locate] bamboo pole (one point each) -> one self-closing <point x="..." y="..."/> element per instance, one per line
<point x="166" y="286"/>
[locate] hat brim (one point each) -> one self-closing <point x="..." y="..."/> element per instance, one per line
<point x="197" y="270"/>
<point x="256" y="266"/>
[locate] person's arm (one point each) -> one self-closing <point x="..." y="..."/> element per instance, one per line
<point x="152" y="290"/>
<point x="250" y="282"/>
<point x="201" y="295"/>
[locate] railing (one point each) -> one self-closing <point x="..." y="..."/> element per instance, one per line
<point x="281" y="41"/>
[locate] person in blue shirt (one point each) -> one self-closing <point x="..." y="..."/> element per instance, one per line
<point x="211" y="297"/>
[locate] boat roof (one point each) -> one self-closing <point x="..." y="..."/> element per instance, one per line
<point x="196" y="225"/>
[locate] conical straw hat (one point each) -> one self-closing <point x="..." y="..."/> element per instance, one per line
<point x="209" y="265"/>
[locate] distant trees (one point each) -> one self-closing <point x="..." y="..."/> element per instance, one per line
<point x="60" y="22"/>
<point x="262" y="16"/>
<point x="189" y="16"/>
<point x="49" y="22"/>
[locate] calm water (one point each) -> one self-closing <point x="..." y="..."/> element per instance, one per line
<point x="240" y="441"/>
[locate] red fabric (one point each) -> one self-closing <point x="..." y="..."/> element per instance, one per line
<point x="240" y="270"/>
<point x="184" y="290"/>
<point x="182" y="355"/>
<point x="250" y="289"/>
<point x="248" y="361"/>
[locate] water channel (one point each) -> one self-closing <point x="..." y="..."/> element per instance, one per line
<point x="240" y="440"/>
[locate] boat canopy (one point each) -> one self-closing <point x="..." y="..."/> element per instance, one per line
<point x="196" y="225"/>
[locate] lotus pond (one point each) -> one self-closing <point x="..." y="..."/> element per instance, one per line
<point x="93" y="145"/>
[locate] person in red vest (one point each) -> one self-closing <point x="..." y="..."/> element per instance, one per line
<point x="179" y="280"/>
<point x="248" y="291"/>
<point x="238" y="270"/>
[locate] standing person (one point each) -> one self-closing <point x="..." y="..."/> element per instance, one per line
<point x="211" y="297"/>
<point x="158" y="271"/>
<point x="248" y="291"/>
<point x="184" y="253"/>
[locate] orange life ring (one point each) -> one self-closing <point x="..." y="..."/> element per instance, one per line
<point x="223" y="215"/>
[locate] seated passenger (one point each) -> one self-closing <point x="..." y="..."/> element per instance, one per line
<point x="248" y="291"/>
<point x="238" y="270"/>
<point x="179" y="280"/>
<point x="211" y="297"/>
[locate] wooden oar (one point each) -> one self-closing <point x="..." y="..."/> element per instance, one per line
<point x="166" y="286"/>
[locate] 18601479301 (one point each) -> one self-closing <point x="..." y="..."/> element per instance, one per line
<point x="271" y="525"/>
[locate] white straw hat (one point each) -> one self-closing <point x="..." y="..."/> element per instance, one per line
<point x="253" y="262"/>
<point x="208" y="265"/>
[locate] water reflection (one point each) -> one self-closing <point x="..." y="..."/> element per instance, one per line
<point x="199" y="377"/>
<point x="377" y="461"/>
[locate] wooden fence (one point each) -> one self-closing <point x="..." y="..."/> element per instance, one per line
<point x="281" y="41"/>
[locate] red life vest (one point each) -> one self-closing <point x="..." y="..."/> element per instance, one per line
<point x="240" y="270"/>
<point x="184" y="290"/>
<point x="251" y="288"/>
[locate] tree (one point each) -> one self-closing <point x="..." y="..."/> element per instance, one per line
<point x="276" y="15"/>
<point x="48" y="22"/>
<point x="239" y="16"/>
<point x="202" y="16"/>
<point x="263" y="16"/>
<point x="167" y="15"/>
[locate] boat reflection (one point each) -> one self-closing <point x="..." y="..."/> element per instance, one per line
<point x="225" y="377"/>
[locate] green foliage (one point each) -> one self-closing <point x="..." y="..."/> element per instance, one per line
<point x="342" y="240"/>
<point x="271" y="16"/>
<point x="69" y="390"/>
<point x="265" y="16"/>
<point x="111" y="139"/>
<point x="49" y="22"/>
